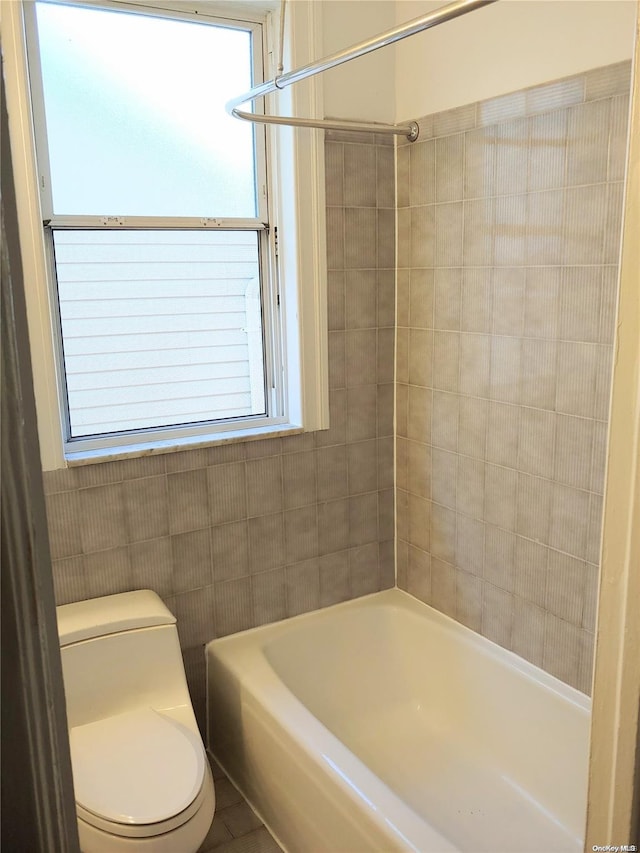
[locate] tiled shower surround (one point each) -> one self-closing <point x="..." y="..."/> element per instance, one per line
<point x="246" y="533"/>
<point x="508" y="220"/>
<point x="509" y="216"/>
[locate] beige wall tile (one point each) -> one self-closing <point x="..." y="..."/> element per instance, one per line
<point x="576" y="384"/>
<point x="512" y="153"/>
<point x="362" y="404"/>
<point x="446" y="360"/>
<point x="101" y="517"/>
<point x="455" y="120"/>
<point x="480" y="163"/>
<point x="418" y="518"/>
<point x="470" y="488"/>
<point x="584" y="223"/>
<point x="502" y="434"/>
<point x="537" y="442"/>
<point x="566" y="587"/>
<point x="230" y="550"/>
<point x="264" y="485"/>
<point x="334" y="173"/>
<point x="530" y="572"/>
<point x="610" y="80"/>
<point x="302" y="582"/>
<point x="108" y="572"/>
<point x="497" y="615"/>
<point x="422" y="236"/>
<point x="444" y="420"/>
<point x="470" y="546"/>
<point x="146" y="507"/>
<point x="476" y="296"/>
<point x="472" y="426"/>
<point x="191" y="555"/>
<point x="418" y="413"/>
<point x="424" y="474"/>
<point x="479" y="236"/>
<point x="266" y="542"/>
<point x="469" y="600"/>
<point x="443" y="533"/>
<point x="587" y="142"/>
<point x="574" y="451"/>
<point x="227" y="492"/>
<point x="499" y="557"/>
<point x="419" y="574"/>
<point x="360" y="238"/>
<point x="443" y="587"/>
<point x="534" y="507"/>
<point x="508" y="301"/>
<point x="446" y="304"/>
<point x="505" y="369"/>
<point x="580" y="299"/>
<point x="363" y="568"/>
<point x="422" y="175"/>
<point x="152" y="565"/>
<point x="333" y="526"/>
<point x="618" y="137"/>
<point x="510" y="244"/>
<point x="335" y="579"/>
<point x="569" y="519"/>
<point x="527" y="636"/>
<point x="538" y="373"/>
<point x="541" y="302"/>
<point x="420" y="357"/>
<point x="301" y="533"/>
<point x="449" y="167"/>
<point x="443" y="476"/>
<point x="359" y="176"/>
<point x="233" y="606"/>
<point x="361" y="299"/>
<point x="500" y="494"/>
<point x="421" y="299"/>
<point x="69" y="580"/>
<point x="547" y="150"/>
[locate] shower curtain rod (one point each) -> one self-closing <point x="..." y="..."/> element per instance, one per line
<point x="410" y="28"/>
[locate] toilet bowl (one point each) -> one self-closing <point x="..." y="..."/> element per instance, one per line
<point x="141" y="776"/>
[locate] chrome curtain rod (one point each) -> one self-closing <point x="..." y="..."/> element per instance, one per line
<point x="281" y="81"/>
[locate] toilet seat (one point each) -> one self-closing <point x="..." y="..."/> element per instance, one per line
<point x="137" y="774"/>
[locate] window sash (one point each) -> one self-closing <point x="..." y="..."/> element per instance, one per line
<point x="272" y="358"/>
<point x="258" y="35"/>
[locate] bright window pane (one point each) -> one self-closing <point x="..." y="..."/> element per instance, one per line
<point x="160" y="328"/>
<point x="135" y="115"/>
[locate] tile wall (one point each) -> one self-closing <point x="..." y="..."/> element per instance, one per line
<point x="508" y="223"/>
<point x="509" y="217"/>
<point x="242" y="534"/>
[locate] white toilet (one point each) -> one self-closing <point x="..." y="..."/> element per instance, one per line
<point x="141" y="776"/>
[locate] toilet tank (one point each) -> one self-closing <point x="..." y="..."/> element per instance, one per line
<point x="120" y="652"/>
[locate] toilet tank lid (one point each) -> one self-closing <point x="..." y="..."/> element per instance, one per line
<point x="110" y="614"/>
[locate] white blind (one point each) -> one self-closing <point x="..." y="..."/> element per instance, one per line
<point x="159" y="327"/>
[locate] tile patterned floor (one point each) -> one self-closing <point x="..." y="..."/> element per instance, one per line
<point x="235" y="827"/>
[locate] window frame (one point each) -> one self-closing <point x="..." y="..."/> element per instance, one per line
<point x="264" y="225"/>
<point x="298" y="192"/>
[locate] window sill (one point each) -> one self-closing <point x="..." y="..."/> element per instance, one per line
<point x="133" y="451"/>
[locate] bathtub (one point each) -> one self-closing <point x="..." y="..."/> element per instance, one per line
<point x="381" y="724"/>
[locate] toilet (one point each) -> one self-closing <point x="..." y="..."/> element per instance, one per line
<point x="140" y="771"/>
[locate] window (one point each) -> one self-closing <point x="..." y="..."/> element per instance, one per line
<point x="158" y="225"/>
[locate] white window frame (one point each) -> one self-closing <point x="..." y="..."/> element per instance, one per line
<point x="297" y="191"/>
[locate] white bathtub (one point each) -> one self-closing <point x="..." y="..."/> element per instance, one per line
<point x="381" y="724"/>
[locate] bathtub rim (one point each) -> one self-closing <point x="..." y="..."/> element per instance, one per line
<point x="399" y="599"/>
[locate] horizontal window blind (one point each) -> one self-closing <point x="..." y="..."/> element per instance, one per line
<point x="160" y="328"/>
